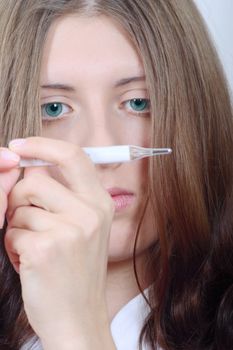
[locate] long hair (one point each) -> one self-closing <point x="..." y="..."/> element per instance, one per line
<point x="191" y="191"/>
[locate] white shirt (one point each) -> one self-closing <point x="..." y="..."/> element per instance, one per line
<point x="125" y="326"/>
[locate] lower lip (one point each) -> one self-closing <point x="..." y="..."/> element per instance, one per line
<point x="122" y="201"/>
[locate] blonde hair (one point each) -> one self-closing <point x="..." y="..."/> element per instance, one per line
<point x="191" y="191"/>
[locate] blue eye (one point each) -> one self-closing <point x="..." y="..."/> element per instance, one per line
<point x="54" y="110"/>
<point x="138" y="105"/>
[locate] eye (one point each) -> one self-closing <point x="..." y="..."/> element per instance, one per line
<point x="54" y="110"/>
<point x="138" y="105"/>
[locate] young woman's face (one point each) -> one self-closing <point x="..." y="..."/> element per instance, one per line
<point x="93" y="93"/>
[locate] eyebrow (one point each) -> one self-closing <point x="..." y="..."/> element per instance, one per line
<point x="58" y="86"/>
<point x="69" y="88"/>
<point x="127" y="81"/>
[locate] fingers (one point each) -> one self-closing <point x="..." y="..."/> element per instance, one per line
<point x="8" y="159"/>
<point x="41" y="191"/>
<point x="14" y="240"/>
<point x="32" y="218"/>
<point x="75" y="166"/>
<point x="21" y="231"/>
<point x="8" y="177"/>
<point x="8" y="172"/>
<point x="3" y="207"/>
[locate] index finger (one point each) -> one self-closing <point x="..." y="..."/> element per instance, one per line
<point x="75" y="166"/>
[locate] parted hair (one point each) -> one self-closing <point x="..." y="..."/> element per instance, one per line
<point x="191" y="191"/>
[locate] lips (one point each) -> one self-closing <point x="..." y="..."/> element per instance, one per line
<point x="121" y="197"/>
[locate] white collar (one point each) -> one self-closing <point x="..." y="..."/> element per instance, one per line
<point x="127" y="324"/>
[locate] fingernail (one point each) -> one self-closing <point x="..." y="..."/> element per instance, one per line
<point x="17" y="143"/>
<point x="8" y="155"/>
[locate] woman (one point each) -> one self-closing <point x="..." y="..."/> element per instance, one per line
<point x="99" y="73"/>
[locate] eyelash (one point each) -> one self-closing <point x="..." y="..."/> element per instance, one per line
<point x="45" y="117"/>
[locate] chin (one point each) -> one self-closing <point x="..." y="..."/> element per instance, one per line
<point x="121" y="246"/>
<point x="121" y="243"/>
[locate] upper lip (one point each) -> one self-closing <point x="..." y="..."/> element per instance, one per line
<point x="116" y="191"/>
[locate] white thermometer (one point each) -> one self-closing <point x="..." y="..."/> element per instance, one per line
<point x="107" y="155"/>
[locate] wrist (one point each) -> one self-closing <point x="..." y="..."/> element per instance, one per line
<point x="93" y="342"/>
<point x="99" y="339"/>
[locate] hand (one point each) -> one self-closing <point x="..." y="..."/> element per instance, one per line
<point x="8" y="177"/>
<point x="57" y="239"/>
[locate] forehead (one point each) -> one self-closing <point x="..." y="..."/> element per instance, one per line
<point x="88" y="46"/>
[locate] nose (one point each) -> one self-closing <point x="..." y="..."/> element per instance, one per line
<point x="103" y="135"/>
<point x="100" y="135"/>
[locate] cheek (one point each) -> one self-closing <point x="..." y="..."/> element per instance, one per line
<point x="124" y="228"/>
<point x="123" y="235"/>
<point x="137" y="131"/>
<point x="67" y="129"/>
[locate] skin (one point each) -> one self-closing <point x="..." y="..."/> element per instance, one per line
<point x="72" y="224"/>
<point x="8" y="178"/>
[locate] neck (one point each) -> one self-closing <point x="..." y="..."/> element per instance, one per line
<point x="122" y="285"/>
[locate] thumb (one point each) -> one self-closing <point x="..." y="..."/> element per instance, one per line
<point x="8" y="171"/>
<point x="7" y="181"/>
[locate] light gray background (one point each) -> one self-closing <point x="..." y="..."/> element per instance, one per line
<point x="219" y="17"/>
